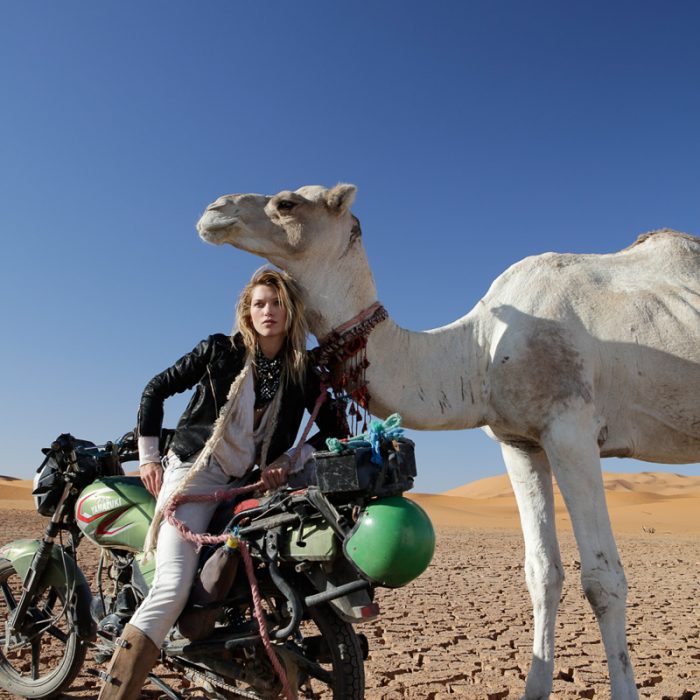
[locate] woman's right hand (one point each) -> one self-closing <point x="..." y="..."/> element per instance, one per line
<point x="275" y="475"/>
<point x="152" y="476"/>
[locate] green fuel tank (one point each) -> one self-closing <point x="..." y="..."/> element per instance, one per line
<point x="115" y="512"/>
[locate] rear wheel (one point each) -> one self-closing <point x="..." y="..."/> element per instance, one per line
<point x="324" y="660"/>
<point x="43" y="658"/>
<point x="334" y="650"/>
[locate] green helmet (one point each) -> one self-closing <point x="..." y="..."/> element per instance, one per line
<point x="392" y="542"/>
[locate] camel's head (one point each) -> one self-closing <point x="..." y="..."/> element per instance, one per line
<point x="307" y="224"/>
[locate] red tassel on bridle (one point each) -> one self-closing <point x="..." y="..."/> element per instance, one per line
<point x="341" y="360"/>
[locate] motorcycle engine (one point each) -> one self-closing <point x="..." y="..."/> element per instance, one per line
<point x="111" y="613"/>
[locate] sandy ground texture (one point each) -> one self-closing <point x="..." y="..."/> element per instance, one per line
<point x="463" y="629"/>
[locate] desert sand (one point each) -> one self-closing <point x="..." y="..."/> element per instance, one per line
<point x="463" y="629"/>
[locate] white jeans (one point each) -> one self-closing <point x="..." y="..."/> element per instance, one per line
<point x="176" y="558"/>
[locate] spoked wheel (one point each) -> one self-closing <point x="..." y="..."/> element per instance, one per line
<point x="45" y="656"/>
<point x="333" y="665"/>
<point x="325" y="661"/>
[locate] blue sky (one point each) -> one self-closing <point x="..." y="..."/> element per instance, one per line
<point x="477" y="133"/>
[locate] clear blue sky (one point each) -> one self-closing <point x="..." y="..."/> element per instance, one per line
<point x="477" y="133"/>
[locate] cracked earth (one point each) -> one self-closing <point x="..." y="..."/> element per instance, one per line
<point x="463" y="629"/>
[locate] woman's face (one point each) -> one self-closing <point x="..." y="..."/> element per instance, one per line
<point x="268" y="315"/>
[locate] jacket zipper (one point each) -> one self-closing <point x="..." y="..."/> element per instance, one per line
<point x="213" y="393"/>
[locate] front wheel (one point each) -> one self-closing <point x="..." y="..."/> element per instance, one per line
<point x="43" y="658"/>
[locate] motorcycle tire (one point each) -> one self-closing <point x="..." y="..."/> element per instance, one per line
<point x="42" y="662"/>
<point x="342" y="656"/>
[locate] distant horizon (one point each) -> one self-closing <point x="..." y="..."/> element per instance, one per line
<point x="644" y="503"/>
<point x="605" y="473"/>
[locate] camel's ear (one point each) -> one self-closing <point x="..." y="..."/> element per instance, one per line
<point x="340" y="198"/>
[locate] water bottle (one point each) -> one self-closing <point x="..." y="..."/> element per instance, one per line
<point x="211" y="586"/>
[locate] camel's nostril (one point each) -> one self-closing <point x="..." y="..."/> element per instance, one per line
<point x="219" y="204"/>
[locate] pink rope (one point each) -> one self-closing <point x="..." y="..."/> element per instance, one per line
<point x="204" y="538"/>
<point x="219" y="495"/>
<point x="312" y="418"/>
<point x="260" y="617"/>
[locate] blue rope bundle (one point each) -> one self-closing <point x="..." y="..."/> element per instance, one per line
<point x="379" y="430"/>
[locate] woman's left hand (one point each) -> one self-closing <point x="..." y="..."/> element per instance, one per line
<point x="275" y="474"/>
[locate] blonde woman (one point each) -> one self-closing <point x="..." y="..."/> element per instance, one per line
<point x="251" y="390"/>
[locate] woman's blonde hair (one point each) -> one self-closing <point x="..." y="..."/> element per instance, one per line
<point x="294" y="349"/>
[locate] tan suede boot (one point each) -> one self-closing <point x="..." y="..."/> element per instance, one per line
<point x="131" y="663"/>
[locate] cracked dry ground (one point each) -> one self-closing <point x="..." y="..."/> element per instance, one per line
<point x="463" y="629"/>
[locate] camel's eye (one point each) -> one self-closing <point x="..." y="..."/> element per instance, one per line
<point x="286" y="205"/>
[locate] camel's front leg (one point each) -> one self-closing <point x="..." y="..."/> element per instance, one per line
<point x="573" y="453"/>
<point x="531" y="478"/>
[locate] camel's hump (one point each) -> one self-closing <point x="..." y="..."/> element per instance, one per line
<point x="657" y="234"/>
<point x="654" y="261"/>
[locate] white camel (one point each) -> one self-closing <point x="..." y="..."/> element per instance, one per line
<point x="566" y="359"/>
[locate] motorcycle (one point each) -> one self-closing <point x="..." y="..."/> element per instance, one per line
<point x="316" y="553"/>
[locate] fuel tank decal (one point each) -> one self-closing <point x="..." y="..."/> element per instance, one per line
<point x="102" y="528"/>
<point x="115" y="512"/>
<point x="102" y="501"/>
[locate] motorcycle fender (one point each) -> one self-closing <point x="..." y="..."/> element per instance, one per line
<point x="354" y="607"/>
<point x="61" y="570"/>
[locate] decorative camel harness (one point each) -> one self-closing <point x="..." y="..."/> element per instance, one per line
<point x="341" y="363"/>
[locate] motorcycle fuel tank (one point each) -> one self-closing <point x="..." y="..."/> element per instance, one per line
<point x="115" y="512"/>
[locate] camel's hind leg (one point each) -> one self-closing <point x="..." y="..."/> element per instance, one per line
<point x="531" y="478"/>
<point x="574" y="456"/>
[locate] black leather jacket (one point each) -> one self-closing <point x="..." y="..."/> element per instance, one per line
<point x="212" y="366"/>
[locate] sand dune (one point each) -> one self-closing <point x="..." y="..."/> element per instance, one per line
<point x="649" y="502"/>
<point x="15" y="494"/>
<point x="657" y="483"/>
<point x="629" y="513"/>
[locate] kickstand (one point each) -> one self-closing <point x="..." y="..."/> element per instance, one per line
<point x="165" y="687"/>
<point x="162" y="685"/>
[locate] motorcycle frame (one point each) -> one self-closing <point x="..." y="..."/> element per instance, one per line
<point x="48" y="562"/>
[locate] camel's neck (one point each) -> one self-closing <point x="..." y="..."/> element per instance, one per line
<point x="433" y="379"/>
<point x="333" y="294"/>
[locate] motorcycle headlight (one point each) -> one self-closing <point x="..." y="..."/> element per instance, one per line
<point x="48" y="486"/>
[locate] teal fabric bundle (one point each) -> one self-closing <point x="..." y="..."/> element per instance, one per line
<point x="379" y="430"/>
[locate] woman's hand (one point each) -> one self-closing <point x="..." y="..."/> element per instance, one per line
<point x="152" y="477"/>
<point x="275" y="474"/>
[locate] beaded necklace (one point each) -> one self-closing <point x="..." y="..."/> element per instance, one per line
<point x="268" y="373"/>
